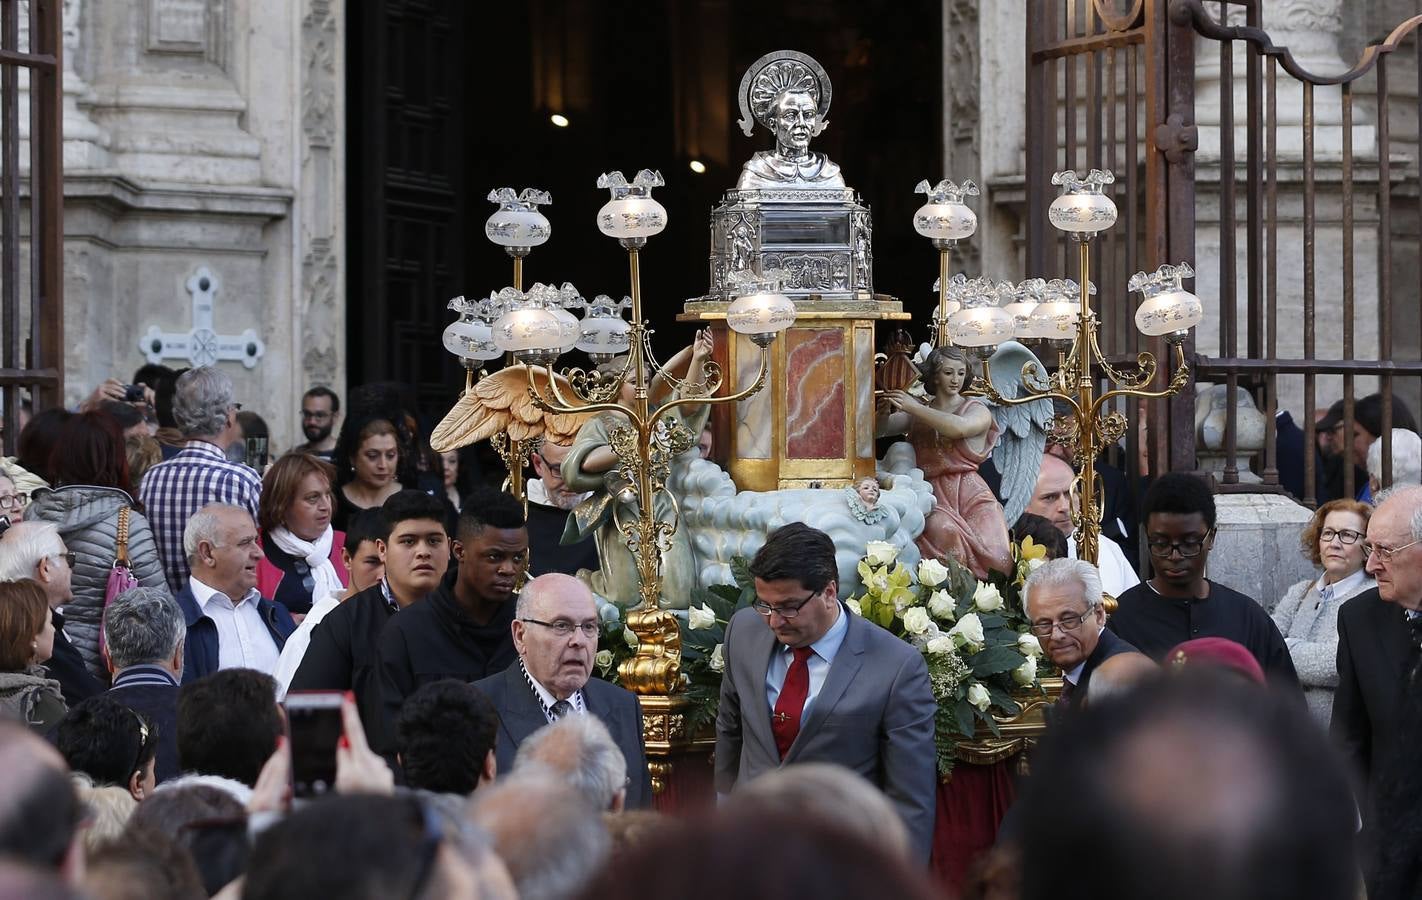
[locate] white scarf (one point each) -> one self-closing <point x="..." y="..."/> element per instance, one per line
<point x="317" y="555"/>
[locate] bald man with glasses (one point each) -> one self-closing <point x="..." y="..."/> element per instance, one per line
<point x="806" y="680"/>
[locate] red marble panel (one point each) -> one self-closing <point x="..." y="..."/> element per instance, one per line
<point x="814" y="402"/>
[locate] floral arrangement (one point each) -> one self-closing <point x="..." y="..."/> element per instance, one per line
<point x="703" y="629"/>
<point x="972" y="634"/>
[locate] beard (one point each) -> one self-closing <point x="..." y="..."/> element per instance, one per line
<point x="316" y="433"/>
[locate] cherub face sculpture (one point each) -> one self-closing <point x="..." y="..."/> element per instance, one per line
<point x="796" y="117"/>
<point x="868" y="491"/>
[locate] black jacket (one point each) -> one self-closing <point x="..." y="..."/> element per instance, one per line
<point x="66" y="666"/>
<point x="342" y="656"/>
<point x="433" y="639"/>
<point x="1107" y="646"/>
<point x="152" y="691"/>
<point x="1373" y="645"/>
<point x="521" y="715"/>
<point x="547" y="552"/>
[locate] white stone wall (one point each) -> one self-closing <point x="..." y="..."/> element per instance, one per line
<point x="206" y="132"/>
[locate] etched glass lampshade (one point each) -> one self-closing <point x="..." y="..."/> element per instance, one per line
<point x="603" y="333"/>
<point x="1168" y="309"/>
<point x="528" y="329"/>
<point x="981" y="322"/>
<point x="1057" y="316"/>
<point x="1082" y="208"/>
<point x="468" y="337"/>
<point x="945" y="217"/>
<point x="631" y="214"/>
<point x="517" y="223"/>
<point x="759" y="310"/>
<point x="1023" y="299"/>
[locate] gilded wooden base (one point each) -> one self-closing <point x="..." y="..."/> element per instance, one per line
<point x="664" y="730"/>
<point x="1018" y="733"/>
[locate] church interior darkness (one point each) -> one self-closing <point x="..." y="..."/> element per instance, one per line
<point x="449" y="99"/>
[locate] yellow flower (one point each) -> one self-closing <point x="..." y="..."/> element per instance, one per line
<point x="1029" y="549"/>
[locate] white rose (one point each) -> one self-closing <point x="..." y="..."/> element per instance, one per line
<point x="978" y="696"/>
<point x="987" y="598"/>
<point x="916" y="620"/>
<point x="630" y="638"/>
<point x="932" y="572"/>
<point x="1026" y="673"/>
<point x="1035" y="564"/>
<point x="969" y="630"/>
<point x="942" y="605"/>
<point x="603" y="659"/>
<point x="941" y="645"/>
<point x="1029" y="645"/>
<point x="718" y="659"/>
<point x="854" y="607"/>
<point x="881" y="553"/>
<point x="700" y="617"/>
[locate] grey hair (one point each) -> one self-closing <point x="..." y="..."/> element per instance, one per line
<point x="143" y="625"/>
<point x="24" y="545"/>
<point x="202" y="401"/>
<point x="831" y="793"/>
<point x="548" y="583"/>
<point x="1401" y="493"/>
<point x="549" y="837"/>
<point x="206" y="525"/>
<point x="1406" y="458"/>
<point x="580" y="751"/>
<point x="1061" y="573"/>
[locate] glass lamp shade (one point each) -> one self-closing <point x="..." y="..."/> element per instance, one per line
<point x="1083" y="213"/>
<point x="1170" y="312"/>
<point x="760" y="313"/>
<point x="471" y="339"/>
<point x="980" y="326"/>
<point x="1021" y="313"/>
<point x="528" y="328"/>
<point x="945" y="221"/>
<point x="631" y="216"/>
<point x="516" y="226"/>
<point x="1055" y="320"/>
<point x="570" y="329"/>
<point x="604" y="336"/>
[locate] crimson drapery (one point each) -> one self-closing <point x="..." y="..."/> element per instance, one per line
<point x="971" y="805"/>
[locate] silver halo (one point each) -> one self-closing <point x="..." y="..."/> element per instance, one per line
<point x="773" y="73"/>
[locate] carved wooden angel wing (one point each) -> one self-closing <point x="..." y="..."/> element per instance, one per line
<point x="500" y="403"/>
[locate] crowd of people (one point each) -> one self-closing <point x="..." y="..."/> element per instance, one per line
<point x="166" y="596"/>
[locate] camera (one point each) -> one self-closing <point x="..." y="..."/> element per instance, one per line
<point x="133" y="393"/>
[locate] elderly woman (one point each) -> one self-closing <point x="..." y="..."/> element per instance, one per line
<point x="27" y="693"/>
<point x="302" y="562"/>
<point x="1308" y="615"/>
<point x="1406" y="460"/>
<point x="93" y="501"/>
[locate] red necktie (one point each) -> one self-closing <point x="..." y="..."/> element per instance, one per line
<point x="785" y="724"/>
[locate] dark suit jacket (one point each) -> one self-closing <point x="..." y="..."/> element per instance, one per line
<point x="521" y="715"/>
<point x="874" y="715"/>
<point x="1373" y="644"/>
<point x="151" y="690"/>
<point x="200" y="653"/>
<point x="1108" y="646"/>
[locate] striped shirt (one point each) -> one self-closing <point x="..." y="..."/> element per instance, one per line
<point x="173" y="490"/>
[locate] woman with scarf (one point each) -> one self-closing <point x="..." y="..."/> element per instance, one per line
<point x="302" y="553"/>
<point x="27" y="693"/>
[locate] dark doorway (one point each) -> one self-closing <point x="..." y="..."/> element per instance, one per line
<point x="447" y="100"/>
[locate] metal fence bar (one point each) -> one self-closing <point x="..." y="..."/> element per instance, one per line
<point x="1384" y="267"/>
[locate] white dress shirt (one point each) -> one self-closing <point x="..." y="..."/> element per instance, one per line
<point x="818" y="663"/>
<point x="546" y="698"/>
<point x="243" y="640"/>
<point x="1117" y="576"/>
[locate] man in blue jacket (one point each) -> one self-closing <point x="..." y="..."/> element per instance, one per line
<point x="230" y="625"/>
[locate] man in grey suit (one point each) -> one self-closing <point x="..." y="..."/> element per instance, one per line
<point x="808" y="681"/>
<point x="555" y="631"/>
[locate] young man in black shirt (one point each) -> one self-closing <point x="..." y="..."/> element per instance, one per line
<point x="1179" y="604"/>
<point x="343" y="652"/>
<point x="464" y="632"/>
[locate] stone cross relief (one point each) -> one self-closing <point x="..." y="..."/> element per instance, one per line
<point x="202" y="346"/>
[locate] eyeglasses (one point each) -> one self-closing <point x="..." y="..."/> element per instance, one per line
<point x="13" y="501"/>
<point x="1068" y="622"/>
<point x="68" y="556"/>
<point x="143" y="745"/>
<point x="308" y="581"/>
<point x="1385" y="553"/>
<point x="1344" y="535"/>
<point x="563" y="628"/>
<point x="786" y="610"/>
<point x="1187" y="549"/>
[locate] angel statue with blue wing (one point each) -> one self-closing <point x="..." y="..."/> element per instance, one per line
<point x="952" y="435"/>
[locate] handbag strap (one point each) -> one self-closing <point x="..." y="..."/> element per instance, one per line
<point x="121" y="557"/>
